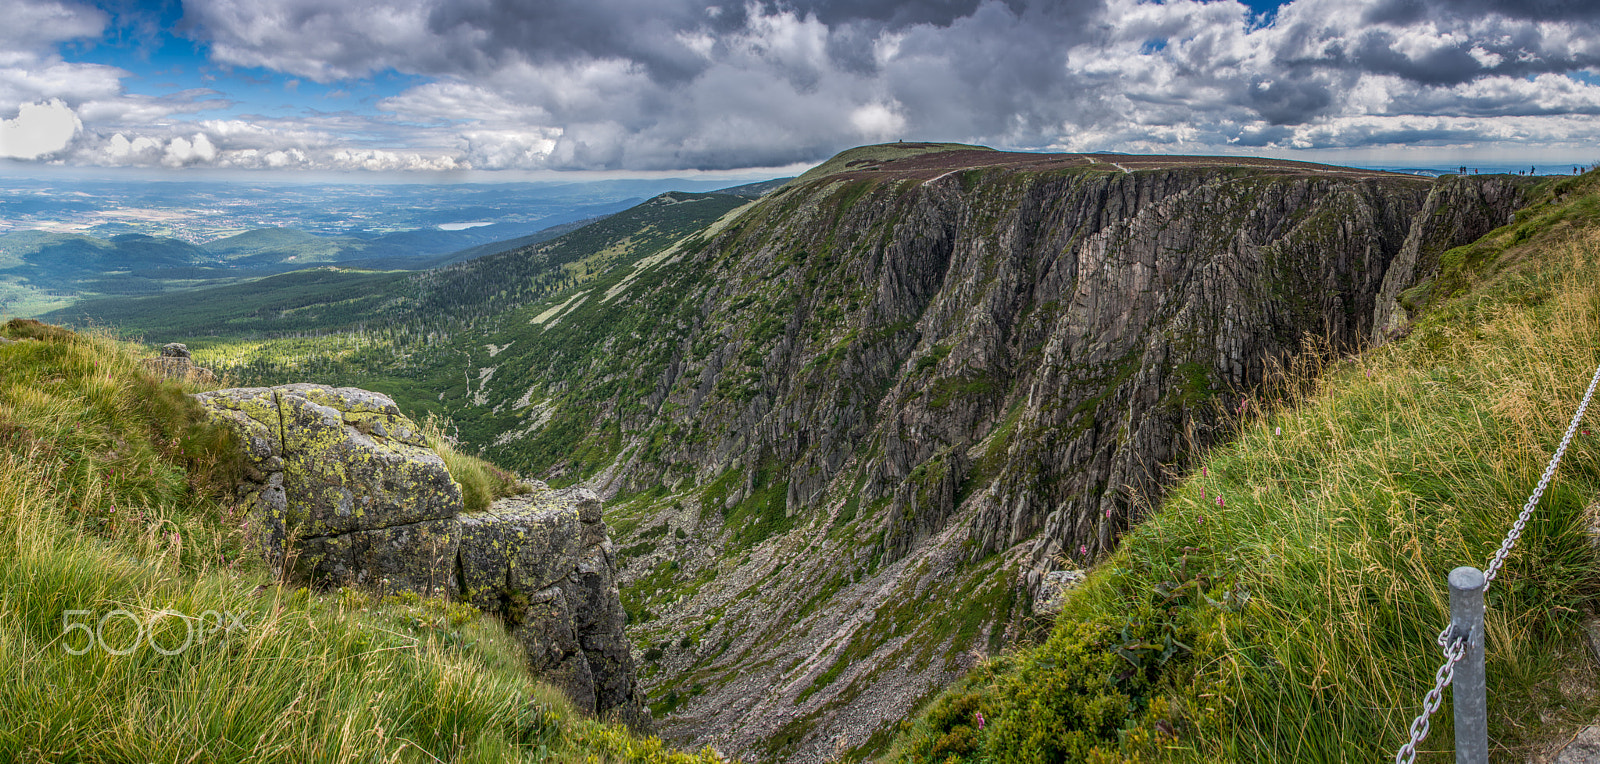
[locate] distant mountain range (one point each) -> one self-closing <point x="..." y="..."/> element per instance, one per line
<point x="43" y="270"/>
<point x="425" y="298"/>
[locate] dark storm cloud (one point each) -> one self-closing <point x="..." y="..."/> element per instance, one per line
<point x="1520" y="51"/>
<point x="996" y="72"/>
<point x="1513" y="38"/>
<point x="894" y="13"/>
<point x="1375" y="52"/>
<point x="1413" y="11"/>
<point x="647" y="32"/>
<point x="1291" y="99"/>
<point x="642" y="31"/>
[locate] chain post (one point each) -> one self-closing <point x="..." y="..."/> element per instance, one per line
<point x="1468" y="691"/>
<point x="1462" y="640"/>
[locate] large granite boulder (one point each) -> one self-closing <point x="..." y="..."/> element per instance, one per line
<point x="345" y="490"/>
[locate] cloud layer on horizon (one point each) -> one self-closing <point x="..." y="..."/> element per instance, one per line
<point x="697" y="84"/>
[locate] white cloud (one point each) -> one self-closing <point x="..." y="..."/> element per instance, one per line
<point x="39" y="130"/>
<point x="877" y="122"/>
<point x="33" y="28"/>
<point x="1485" y="58"/>
<point x="184" y="151"/>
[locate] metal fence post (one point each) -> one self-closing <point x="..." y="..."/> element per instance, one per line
<point x="1469" y="693"/>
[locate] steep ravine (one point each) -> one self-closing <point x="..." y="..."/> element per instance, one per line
<point x="846" y="429"/>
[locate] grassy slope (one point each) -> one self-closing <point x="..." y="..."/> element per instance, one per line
<point x="880" y="152"/>
<point x="1283" y="602"/>
<point x="107" y="502"/>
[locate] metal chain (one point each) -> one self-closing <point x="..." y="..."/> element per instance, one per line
<point x="1544" y="480"/>
<point x="1455" y="648"/>
<point x="1453" y="654"/>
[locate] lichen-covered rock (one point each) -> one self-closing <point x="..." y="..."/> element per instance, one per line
<point x="543" y="562"/>
<point x="519" y="545"/>
<point x="414" y="557"/>
<point x="1053" y="590"/>
<point x="342" y="487"/>
<point x="346" y="491"/>
<point x="354" y="462"/>
<point x="548" y="631"/>
<point x="600" y="619"/>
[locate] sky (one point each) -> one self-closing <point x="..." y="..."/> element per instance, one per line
<point x="438" y="88"/>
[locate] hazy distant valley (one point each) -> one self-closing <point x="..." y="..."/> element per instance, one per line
<point x="65" y="240"/>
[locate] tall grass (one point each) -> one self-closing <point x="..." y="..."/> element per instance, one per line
<point x="1301" y="571"/>
<point x="481" y="481"/>
<point x="109" y="518"/>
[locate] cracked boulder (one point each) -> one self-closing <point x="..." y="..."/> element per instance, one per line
<point x="343" y="487"/>
<point x="345" y="490"/>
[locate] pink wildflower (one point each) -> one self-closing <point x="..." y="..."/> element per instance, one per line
<point x="1219" y="499"/>
<point x="1203" y="472"/>
<point x="1108" y="514"/>
<point x="1083" y="549"/>
<point x="1277" y="431"/>
<point x="979" y="716"/>
<point x="1201" y="520"/>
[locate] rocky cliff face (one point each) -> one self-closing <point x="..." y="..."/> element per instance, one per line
<point x="344" y="490"/>
<point x="852" y="426"/>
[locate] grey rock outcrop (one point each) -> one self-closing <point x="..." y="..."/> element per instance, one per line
<point x="176" y="363"/>
<point x="1053" y="590"/>
<point x="344" y="490"/>
<point x="542" y="561"/>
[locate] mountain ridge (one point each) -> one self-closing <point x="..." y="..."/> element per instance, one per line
<point x="921" y="375"/>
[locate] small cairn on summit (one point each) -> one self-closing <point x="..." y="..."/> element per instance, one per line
<point x="175" y="363"/>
